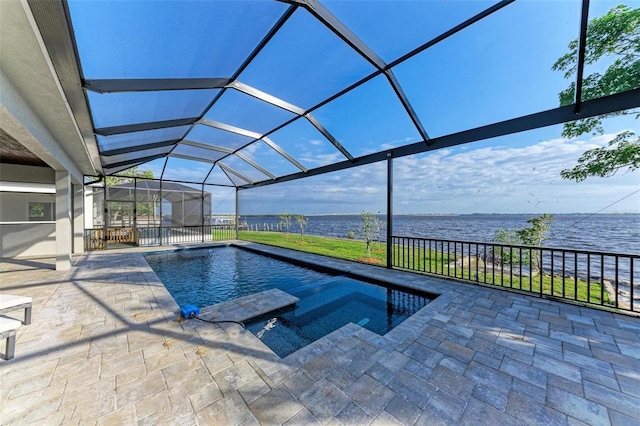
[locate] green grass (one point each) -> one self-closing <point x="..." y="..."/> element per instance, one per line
<point x="434" y="262"/>
<point x="343" y="249"/>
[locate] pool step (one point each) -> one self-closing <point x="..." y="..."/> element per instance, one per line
<point x="247" y="307"/>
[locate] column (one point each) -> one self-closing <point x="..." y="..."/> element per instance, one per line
<point x="78" y="218"/>
<point x="63" y="220"/>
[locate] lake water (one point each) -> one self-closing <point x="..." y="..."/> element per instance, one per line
<point x="619" y="233"/>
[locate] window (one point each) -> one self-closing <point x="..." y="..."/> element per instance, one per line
<point x="42" y="212"/>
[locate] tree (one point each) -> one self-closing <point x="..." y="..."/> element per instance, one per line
<point x="127" y="176"/>
<point x="378" y="225"/>
<point x="503" y="256"/>
<point x="302" y="221"/>
<point x="533" y="235"/>
<point x="367" y="230"/>
<point x="614" y="36"/>
<point x="285" y="221"/>
<point x="538" y="232"/>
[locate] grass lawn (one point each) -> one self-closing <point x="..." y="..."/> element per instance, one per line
<point x="343" y="249"/>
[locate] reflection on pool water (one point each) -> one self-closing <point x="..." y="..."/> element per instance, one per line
<point x="204" y="277"/>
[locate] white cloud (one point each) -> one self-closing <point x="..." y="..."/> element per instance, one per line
<point x="508" y="179"/>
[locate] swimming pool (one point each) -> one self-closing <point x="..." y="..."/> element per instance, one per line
<point x="204" y="277"/>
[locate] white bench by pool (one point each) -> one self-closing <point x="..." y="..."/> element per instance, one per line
<point x="10" y="302"/>
<point x="10" y="326"/>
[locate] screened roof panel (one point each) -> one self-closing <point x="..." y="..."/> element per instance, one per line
<point x="216" y="137"/>
<point x="116" y="109"/>
<point x="125" y="140"/>
<point x="305" y="63"/>
<point x="345" y="81"/>
<point x="195" y="151"/>
<point x="368" y="119"/>
<point x="234" y="177"/>
<point x="155" y="166"/>
<point x="245" y="169"/>
<point x="113" y="159"/>
<point x="181" y="169"/>
<point x="267" y="157"/>
<point x="161" y="39"/>
<point x="306" y="144"/>
<point x="218" y="177"/>
<point x="394" y="28"/>
<point x="246" y="112"/>
<point x="504" y="61"/>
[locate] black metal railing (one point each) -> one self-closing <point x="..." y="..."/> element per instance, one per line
<point x="98" y="239"/>
<point x="587" y="277"/>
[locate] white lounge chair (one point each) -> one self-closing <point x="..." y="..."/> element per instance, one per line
<point x="8" y="329"/>
<point x="10" y="302"/>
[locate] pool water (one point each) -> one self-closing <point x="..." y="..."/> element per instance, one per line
<point x="204" y="277"/>
<point x="331" y="304"/>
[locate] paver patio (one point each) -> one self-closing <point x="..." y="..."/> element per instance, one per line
<point x="105" y="347"/>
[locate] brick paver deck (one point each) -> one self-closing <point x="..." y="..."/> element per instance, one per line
<point x="105" y="347"/>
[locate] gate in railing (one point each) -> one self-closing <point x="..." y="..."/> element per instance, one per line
<point x="587" y="277"/>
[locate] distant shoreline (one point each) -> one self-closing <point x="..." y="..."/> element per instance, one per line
<point x="435" y="214"/>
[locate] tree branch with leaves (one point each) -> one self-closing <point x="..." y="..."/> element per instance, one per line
<point x="613" y="36"/>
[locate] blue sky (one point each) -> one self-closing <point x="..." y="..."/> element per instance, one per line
<point x="494" y="178"/>
<point x="497" y="69"/>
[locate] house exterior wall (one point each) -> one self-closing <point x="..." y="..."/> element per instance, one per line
<point x="19" y="236"/>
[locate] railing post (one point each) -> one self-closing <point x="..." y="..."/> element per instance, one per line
<point x="135" y="211"/>
<point x="105" y="218"/>
<point x="389" y="211"/>
<point x="160" y="226"/>
<point x="237" y="217"/>
<point x="202" y="210"/>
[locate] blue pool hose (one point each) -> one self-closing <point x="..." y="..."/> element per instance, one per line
<point x="192" y="312"/>
<point x="193" y="316"/>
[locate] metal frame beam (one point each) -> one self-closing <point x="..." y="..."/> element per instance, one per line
<point x="282" y="152"/>
<point x="228" y="169"/>
<point x="229" y="128"/>
<point x="133" y="161"/>
<point x="206" y="146"/>
<point x="153" y="84"/>
<point x="141" y="127"/>
<point x="265" y="97"/>
<point x="192" y="158"/>
<point x="315" y="123"/>
<point x="608" y="104"/>
<point x="254" y="164"/>
<point x="136" y="148"/>
<point x="330" y="21"/>
<point x="404" y="100"/>
<point x="582" y="48"/>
